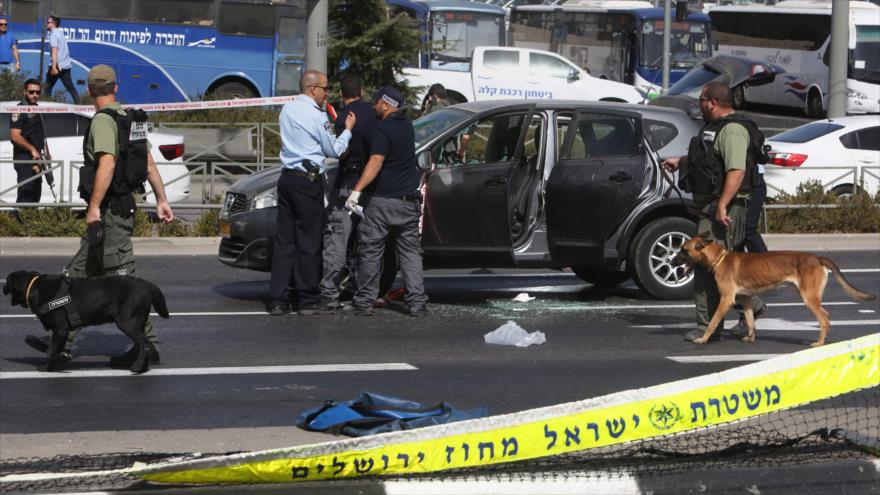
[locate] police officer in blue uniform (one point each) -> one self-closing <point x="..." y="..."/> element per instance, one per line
<point x="340" y="222"/>
<point x="307" y="137"/>
<point x="394" y="206"/>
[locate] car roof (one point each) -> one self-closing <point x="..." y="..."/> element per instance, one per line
<point x="653" y="112"/>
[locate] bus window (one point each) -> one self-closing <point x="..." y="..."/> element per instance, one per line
<point x="24" y="11"/>
<point x="546" y="65"/>
<point x="247" y="19"/>
<point x="92" y="9"/>
<point x="865" y="64"/>
<point x="456" y="34"/>
<point x="767" y="30"/>
<point x="195" y="12"/>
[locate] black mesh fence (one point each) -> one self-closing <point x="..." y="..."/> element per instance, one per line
<point x="843" y="428"/>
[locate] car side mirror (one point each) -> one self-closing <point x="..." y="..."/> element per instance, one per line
<point x="573" y="75"/>
<point x="425" y="160"/>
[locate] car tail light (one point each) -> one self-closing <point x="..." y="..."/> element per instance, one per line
<point x="171" y="151"/>
<point x="787" y="159"/>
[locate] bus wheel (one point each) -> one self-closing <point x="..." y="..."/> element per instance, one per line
<point x="814" y="104"/>
<point x="739" y="97"/>
<point x="233" y="90"/>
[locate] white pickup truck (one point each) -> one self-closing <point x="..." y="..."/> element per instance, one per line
<point x="521" y="73"/>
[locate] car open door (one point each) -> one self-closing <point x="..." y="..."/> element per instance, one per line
<point x="595" y="182"/>
<point x="468" y="191"/>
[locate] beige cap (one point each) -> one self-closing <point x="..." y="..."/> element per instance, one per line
<point x="101" y="74"/>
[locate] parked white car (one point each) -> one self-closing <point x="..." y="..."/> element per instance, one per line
<point x="840" y="152"/>
<point x="64" y="133"/>
<point x="506" y="73"/>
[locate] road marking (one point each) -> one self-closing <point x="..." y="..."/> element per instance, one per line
<point x="723" y="358"/>
<point x="776" y="324"/>
<point x="242" y="370"/>
<point x="562" y="307"/>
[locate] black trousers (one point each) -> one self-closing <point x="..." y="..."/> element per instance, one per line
<point x="30" y="192"/>
<point x="753" y="241"/>
<point x="64" y="75"/>
<point x="296" y="256"/>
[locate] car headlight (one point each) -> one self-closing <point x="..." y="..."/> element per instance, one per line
<point x="857" y="95"/>
<point x="265" y="199"/>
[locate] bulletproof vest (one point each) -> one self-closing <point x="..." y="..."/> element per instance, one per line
<point x="703" y="172"/>
<point x="31" y="130"/>
<point x="130" y="172"/>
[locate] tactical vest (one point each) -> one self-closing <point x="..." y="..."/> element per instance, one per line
<point x="130" y="171"/>
<point x="703" y="172"/>
<point x="31" y="131"/>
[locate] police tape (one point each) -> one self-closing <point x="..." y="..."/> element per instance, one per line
<point x="154" y="107"/>
<point x="673" y="408"/>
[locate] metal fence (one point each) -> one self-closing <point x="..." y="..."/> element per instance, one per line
<point x="208" y="182"/>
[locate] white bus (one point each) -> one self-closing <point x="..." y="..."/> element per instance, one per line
<point x="613" y="39"/>
<point x="795" y="34"/>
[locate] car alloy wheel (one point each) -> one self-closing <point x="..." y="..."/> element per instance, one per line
<point x="651" y="259"/>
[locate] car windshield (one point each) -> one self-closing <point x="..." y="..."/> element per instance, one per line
<point x="692" y="82"/>
<point x="806" y="132"/>
<point x="435" y="123"/>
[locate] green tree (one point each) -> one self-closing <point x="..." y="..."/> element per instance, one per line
<point x="368" y="40"/>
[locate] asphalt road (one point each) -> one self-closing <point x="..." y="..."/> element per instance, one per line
<point x="598" y="342"/>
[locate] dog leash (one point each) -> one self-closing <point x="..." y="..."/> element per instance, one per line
<point x="27" y="294"/>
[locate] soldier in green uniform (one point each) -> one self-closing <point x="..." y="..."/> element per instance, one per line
<point x="718" y="172"/>
<point x="110" y="203"/>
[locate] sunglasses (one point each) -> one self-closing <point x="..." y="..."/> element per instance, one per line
<point x="3" y="25"/>
<point x="33" y="92"/>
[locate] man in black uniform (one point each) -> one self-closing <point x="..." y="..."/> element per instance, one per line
<point x="340" y="222"/>
<point x="394" y="206"/>
<point x="28" y="141"/>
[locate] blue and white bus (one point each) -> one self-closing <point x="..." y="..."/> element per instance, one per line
<point x="172" y="50"/>
<point x="616" y="40"/>
<point x="451" y="30"/>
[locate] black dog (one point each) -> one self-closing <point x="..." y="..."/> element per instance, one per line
<point x="61" y="303"/>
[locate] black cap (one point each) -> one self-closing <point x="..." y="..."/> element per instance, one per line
<point x="390" y="96"/>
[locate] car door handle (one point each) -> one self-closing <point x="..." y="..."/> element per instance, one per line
<point x="495" y="180"/>
<point x="619" y="176"/>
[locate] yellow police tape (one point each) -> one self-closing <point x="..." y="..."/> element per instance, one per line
<point x="795" y="379"/>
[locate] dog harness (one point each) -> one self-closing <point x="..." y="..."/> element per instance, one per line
<point x="62" y="302"/>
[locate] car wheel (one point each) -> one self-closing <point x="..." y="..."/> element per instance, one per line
<point x="739" y="97"/>
<point x="651" y="258"/>
<point x="600" y="277"/>
<point x="814" y="104"/>
<point x="233" y="91"/>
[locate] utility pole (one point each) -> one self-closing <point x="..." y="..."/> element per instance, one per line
<point x="667" y="30"/>
<point x="316" y="36"/>
<point x="839" y="58"/>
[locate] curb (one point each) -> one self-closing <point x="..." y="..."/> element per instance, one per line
<point x="209" y="246"/>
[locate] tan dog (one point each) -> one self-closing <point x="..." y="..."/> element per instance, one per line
<point x="747" y="274"/>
